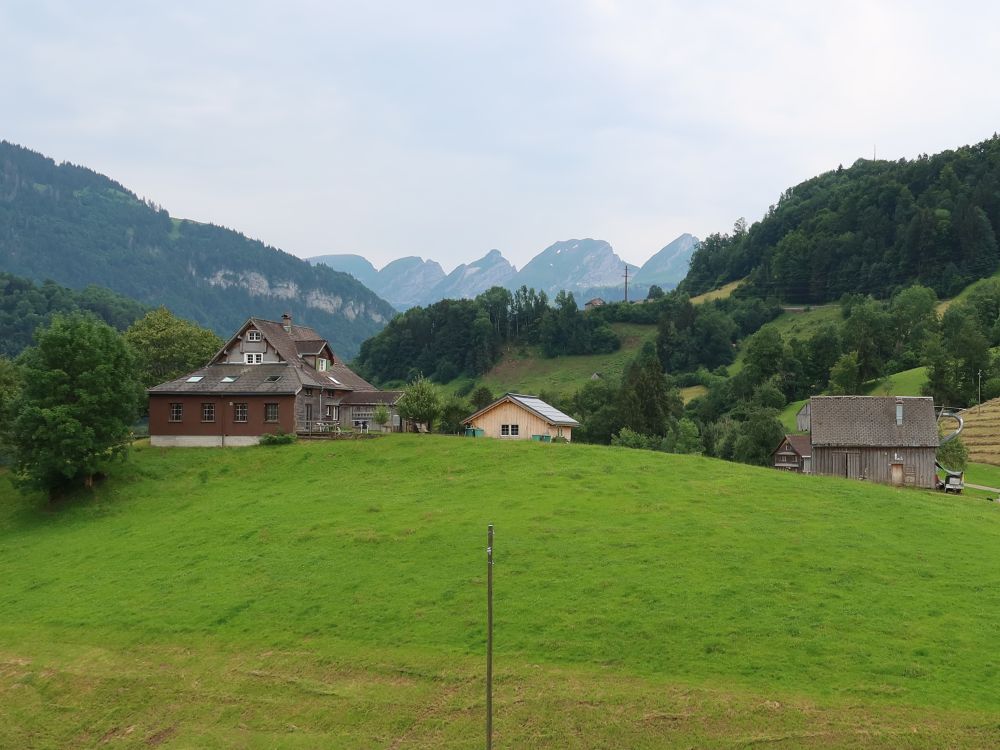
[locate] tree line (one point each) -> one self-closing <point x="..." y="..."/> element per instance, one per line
<point x="872" y="228"/>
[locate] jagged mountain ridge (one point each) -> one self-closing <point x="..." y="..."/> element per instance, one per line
<point x="77" y="227"/>
<point x="471" y="279"/>
<point x="586" y="267"/>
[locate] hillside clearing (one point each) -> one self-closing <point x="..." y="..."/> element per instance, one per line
<point x="208" y="598"/>
<point x="723" y="292"/>
<point x="528" y="371"/>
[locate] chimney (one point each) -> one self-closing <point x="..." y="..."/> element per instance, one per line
<point x="899" y="412"/>
<point x="286" y="322"/>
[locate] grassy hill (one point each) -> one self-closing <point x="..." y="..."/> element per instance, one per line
<point x="526" y="370"/>
<point x="331" y="594"/>
<point x="982" y="432"/>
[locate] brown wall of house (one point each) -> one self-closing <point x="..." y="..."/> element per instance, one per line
<point x="875" y="464"/>
<point x="191" y="424"/>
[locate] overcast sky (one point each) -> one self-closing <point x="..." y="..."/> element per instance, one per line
<point x="445" y="129"/>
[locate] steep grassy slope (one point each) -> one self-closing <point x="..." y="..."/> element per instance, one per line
<point x="332" y="595"/>
<point x="528" y="371"/>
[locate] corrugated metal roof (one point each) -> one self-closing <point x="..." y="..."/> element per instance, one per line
<point x="870" y="421"/>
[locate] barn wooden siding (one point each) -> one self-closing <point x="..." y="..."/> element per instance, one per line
<point x="511" y="413"/>
<point x="875" y="464"/>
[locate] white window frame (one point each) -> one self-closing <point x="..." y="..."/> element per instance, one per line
<point x="321" y="363"/>
<point x="178" y="408"/>
<point x="267" y="409"/>
<point x="254" y="335"/>
<point x="241" y="406"/>
<point x="253" y="358"/>
<point x="207" y="407"/>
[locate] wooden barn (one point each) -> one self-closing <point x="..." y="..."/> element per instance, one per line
<point x="886" y="439"/>
<point x="516" y="416"/>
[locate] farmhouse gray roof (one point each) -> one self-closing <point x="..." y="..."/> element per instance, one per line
<point x="800" y="444"/>
<point x="542" y="410"/>
<point x="870" y="421"/>
<point x="235" y="380"/>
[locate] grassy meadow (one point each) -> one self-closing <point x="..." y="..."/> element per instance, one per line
<point x="332" y="594"/>
<point x="528" y="371"/>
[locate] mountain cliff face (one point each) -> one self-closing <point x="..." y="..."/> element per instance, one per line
<point x="77" y="227"/>
<point x="573" y="265"/>
<point x="405" y="281"/>
<point x="356" y="265"/>
<point x="471" y="279"/>
<point x="670" y="264"/>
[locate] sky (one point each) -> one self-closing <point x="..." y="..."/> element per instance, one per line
<point x="445" y="129"/>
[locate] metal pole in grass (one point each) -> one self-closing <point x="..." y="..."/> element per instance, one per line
<point x="489" y="637"/>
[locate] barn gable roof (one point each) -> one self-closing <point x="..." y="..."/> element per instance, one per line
<point x="533" y="404"/>
<point x="870" y="421"/>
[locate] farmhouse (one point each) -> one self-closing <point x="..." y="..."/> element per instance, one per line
<point x="892" y="440"/>
<point x="269" y="377"/>
<point x="596" y="302"/>
<point x="519" y="417"/>
<point x="794" y="454"/>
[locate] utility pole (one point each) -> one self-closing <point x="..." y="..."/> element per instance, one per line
<point x="489" y="637"/>
<point x="626" y="283"/>
<point x="979" y="406"/>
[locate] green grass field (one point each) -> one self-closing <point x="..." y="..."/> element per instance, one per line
<point x="332" y="594"/>
<point x="533" y="373"/>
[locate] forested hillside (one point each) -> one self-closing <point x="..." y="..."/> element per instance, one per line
<point x="872" y="229"/>
<point x="77" y="227"/>
<point x="25" y="305"/>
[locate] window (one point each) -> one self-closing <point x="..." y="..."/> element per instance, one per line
<point x="253" y="358"/>
<point x="270" y="412"/>
<point x="309" y="391"/>
<point x="272" y="379"/>
<point x="239" y="412"/>
<point x="332" y="412"/>
<point x="508" y="430"/>
<point x="176" y="412"/>
<point x="309" y="412"/>
<point x="195" y="378"/>
<point x="230" y="378"/>
<point x="208" y="412"/>
<point x="513" y="430"/>
<point x="253" y="335"/>
<point x="334" y="380"/>
<point x="321" y="364"/>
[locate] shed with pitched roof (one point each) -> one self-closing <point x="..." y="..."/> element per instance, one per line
<point x="516" y="416"/>
<point x="886" y="439"/>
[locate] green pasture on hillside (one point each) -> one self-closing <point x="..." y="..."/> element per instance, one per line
<point x="332" y="594"/>
<point x="528" y="371"/>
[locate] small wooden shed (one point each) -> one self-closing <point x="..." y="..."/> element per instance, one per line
<point x="516" y="416"/>
<point x="886" y="439"/>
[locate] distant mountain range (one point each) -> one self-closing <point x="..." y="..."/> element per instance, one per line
<point x="586" y="267"/>
<point x="77" y="227"/>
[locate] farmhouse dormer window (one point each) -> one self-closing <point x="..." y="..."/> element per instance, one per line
<point x="253" y="358"/>
<point x="321" y="364"/>
<point x="254" y="335"/>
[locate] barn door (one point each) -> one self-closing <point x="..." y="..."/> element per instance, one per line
<point x="853" y="465"/>
<point x="896" y="474"/>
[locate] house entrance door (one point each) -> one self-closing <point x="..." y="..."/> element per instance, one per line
<point x="896" y="474"/>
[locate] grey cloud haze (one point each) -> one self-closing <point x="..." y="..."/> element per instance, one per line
<point x="447" y="129"/>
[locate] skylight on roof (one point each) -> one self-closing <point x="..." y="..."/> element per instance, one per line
<point x="334" y="380"/>
<point x="230" y="379"/>
<point x="273" y="378"/>
<point x="196" y="378"/>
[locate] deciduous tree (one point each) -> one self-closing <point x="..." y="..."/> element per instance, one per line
<point x="80" y="396"/>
